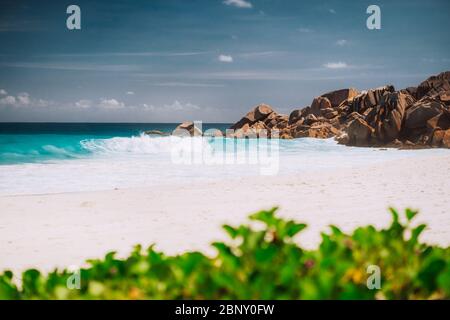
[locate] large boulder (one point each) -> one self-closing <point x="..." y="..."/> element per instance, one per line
<point x="420" y="112"/>
<point x="369" y="99"/>
<point x="437" y="137"/>
<point x="412" y="91"/>
<point x="390" y="115"/>
<point x="187" y="127"/>
<point x="280" y="122"/>
<point x="256" y="130"/>
<point x="310" y="119"/>
<point x="329" y="113"/>
<point x="285" y="134"/>
<point x="259" y="113"/>
<point x="262" y="111"/>
<point x="318" y="105"/>
<point x="359" y="133"/>
<point x="276" y="121"/>
<point x="283" y="121"/>
<point x="444" y="97"/>
<point x="262" y="121"/>
<point x="437" y="128"/>
<point x="156" y="133"/>
<point x="435" y="86"/>
<point x="338" y="96"/>
<point x="295" y="116"/>
<point x="446" y="139"/>
<point x="441" y="121"/>
<point x="342" y="138"/>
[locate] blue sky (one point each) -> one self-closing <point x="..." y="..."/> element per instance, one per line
<point x="210" y="60"/>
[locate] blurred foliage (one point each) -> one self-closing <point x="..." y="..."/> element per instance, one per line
<point x="261" y="262"/>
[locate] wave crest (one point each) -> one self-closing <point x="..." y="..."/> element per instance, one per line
<point x="142" y="144"/>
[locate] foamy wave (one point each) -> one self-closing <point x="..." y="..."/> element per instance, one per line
<point x="143" y="144"/>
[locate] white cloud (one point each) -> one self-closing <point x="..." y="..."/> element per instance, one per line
<point x="341" y="42"/>
<point x="130" y="93"/>
<point x="115" y="105"/>
<point x="3" y="92"/>
<point x="23" y="99"/>
<point x="83" y="104"/>
<point x="110" y="104"/>
<point x="238" y="3"/>
<point x="225" y="58"/>
<point x="103" y="103"/>
<point x="8" y="101"/>
<point x="148" y="107"/>
<point x="178" y="106"/>
<point x="43" y="103"/>
<point x="332" y="11"/>
<point x="335" y="65"/>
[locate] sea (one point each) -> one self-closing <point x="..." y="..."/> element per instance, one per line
<point x="41" y="158"/>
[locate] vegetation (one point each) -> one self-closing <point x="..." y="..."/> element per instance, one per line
<point x="261" y="262"/>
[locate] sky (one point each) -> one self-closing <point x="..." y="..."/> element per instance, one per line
<point x="208" y="60"/>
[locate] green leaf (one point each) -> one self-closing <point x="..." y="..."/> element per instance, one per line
<point x="266" y="216"/>
<point x="222" y="248"/>
<point x="293" y="228"/>
<point x="335" y="230"/>
<point x="410" y="214"/>
<point x="232" y="232"/>
<point x="415" y="233"/>
<point x="394" y="215"/>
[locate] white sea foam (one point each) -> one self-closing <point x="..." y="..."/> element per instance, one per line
<point x="146" y="161"/>
<point x="142" y="144"/>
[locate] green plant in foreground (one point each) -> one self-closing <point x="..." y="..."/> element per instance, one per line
<point x="261" y="263"/>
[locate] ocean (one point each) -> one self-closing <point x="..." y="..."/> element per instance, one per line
<point x="37" y="158"/>
<point x="43" y="142"/>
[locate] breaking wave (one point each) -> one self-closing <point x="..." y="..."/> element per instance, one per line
<point x="139" y="145"/>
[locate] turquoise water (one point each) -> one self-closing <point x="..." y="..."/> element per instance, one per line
<point x="52" y="158"/>
<point x="24" y="148"/>
<point x="41" y="142"/>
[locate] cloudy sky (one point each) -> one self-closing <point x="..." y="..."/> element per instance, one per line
<point x="210" y="60"/>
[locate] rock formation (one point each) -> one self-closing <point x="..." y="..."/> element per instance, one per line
<point x="187" y="128"/>
<point x="414" y="117"/>
<point x="156" y="133"/>
<point x="339" y="96"/>
<point x="261" y="121"/>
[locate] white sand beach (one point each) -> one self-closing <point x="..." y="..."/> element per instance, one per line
<point x="57" y="230"/>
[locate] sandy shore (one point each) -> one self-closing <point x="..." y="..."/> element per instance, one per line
<point x="46" y="231"/>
